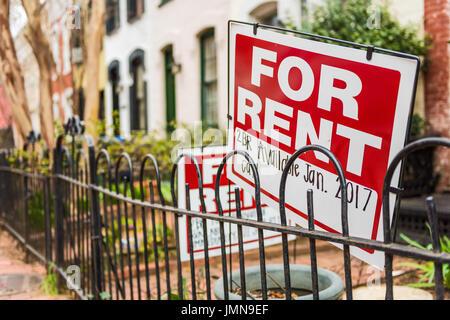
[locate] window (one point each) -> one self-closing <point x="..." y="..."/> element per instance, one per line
<point x="112" y="15"/>
<point x="138" y="92"/>
<point x="208" y="78"/>
<point x="271" y="19"/>
<point x="163" y="2"/>
<point x="101" y="111"/>
<point x="267" y="13"/>
<point x="114" y="78"/>
<point x="81" y="102"/>
<point x="135" y="9"/>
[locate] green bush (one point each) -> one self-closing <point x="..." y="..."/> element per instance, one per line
<point x="138" y="146"/>
<point x="158" y="144"/>
<point x="49" y="283"/>
<point x="36" y="212"/>
<point x="112" y="200"/>
<point x="417" y="126"/>
<point x="159" y="230"/>
<point x="348" y="20"/>
<point x="30" y="161"/>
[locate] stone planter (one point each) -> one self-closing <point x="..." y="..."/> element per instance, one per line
<point x="330" y="284"/>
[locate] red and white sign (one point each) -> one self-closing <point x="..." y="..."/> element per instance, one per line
<point x="209" y="159"/>
<point x="287" y="92"/>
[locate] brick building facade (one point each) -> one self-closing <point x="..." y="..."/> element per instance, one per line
<point x="437" y="84"/>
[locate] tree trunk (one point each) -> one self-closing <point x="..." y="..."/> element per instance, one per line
<point x="11" y="76"/>
<point x="41" y="49"/>
<point x="79" y="70"/>
<point x="93" y="48"/>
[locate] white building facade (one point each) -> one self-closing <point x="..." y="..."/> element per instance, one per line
<point x="179" y="49"/>
<point x="127" y="48"/>
<point x="168" y="63"/>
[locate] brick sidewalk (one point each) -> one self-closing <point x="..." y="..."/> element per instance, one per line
<point x="12" y="259"/>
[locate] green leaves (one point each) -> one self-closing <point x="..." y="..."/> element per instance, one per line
<point x="360" y="21"/>
<point x="102" y="296"/>
<point x="411" y="242"/>
<point x="175" y="296"/>
<point x="446" y="272"/>
<point x="49" y="283"/>
<point x="417" y="126"/>
<point x="105" y="296"/>
<point x="426" y="280"/>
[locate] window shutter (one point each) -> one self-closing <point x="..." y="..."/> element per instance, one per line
<point x="132" y="108"/>
<point x="208" y="78"/>
<point x="145" y="106"/>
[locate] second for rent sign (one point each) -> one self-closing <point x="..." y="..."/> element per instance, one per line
<point x="209" y="159"/>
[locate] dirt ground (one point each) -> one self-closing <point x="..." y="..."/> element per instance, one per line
<point x="12" y="259"/>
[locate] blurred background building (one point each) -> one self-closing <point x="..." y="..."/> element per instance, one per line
<point x="165" y="61"/>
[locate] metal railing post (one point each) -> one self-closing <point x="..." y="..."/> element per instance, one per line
<point x="58" y="213"/>
<point x="97" y="268"/>
<point x="26" y="218"/>
<point x="48" y="220"/>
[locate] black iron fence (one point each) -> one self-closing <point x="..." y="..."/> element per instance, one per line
<point x="112" y="224"/>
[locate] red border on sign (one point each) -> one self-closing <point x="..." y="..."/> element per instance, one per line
<point x="223" y="177"/>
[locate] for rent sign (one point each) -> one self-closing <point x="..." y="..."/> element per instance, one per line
<point x="209" y="159"/>
<point x="287" y="92"/>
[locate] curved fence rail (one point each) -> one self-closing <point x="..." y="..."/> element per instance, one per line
<point x="92" y="216"/>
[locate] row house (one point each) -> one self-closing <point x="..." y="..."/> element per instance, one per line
<point x="167" y="59"/>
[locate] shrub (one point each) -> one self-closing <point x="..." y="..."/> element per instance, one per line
<point x="351" y="20"/>
<point x="36" y="212"/>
